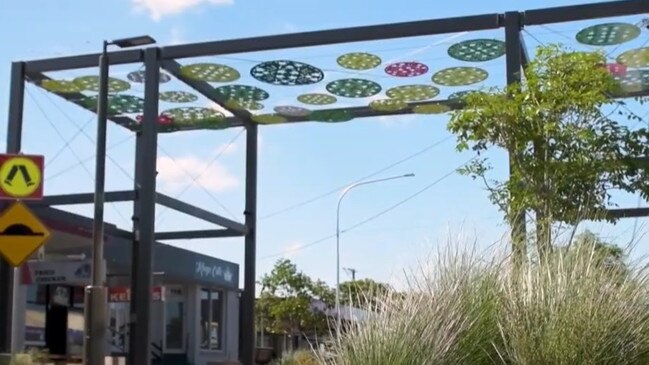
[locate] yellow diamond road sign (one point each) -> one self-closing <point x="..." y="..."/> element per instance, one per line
<point x="21" y="234"/>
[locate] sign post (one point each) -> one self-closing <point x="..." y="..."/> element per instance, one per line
<point x="21" y="232"/>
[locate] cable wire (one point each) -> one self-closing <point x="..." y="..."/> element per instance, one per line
<point x="89" y="158"/>
<point x="119" y="166"/>
<point x="375" y="216"/>
<point x="195" y="178"/>
<point x="58" y="132"/>
<point x="375" y="173"/>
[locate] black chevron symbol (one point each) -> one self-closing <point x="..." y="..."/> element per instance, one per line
<point x="15" y="169"/>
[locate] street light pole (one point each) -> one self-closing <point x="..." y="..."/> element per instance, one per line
<point x="344" y="193"/>
<point x="96" y="293"/>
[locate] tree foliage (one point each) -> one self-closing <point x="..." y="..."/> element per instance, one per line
<point x="567" y="153"/>
<point x="364" y="292"/>
<point x="286" y="301"/>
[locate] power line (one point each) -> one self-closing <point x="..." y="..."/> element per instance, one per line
<point x="375" y="216"/>
<point x="375" y="173"/>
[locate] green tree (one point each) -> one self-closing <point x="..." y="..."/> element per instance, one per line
<point x="566" y="151"/>
<point x="364" y="292"/>
<point x="605" y="253"/>
<point x="286" y="298"/>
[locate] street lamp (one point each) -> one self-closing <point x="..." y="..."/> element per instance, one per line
<point x="347" y="189"/>
<point x="96" y="296"/>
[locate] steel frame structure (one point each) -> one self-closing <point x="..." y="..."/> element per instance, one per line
<point x="144" y="194"/>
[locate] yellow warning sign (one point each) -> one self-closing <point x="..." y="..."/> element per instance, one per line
<point x="21" y="234"/>
<point x="21" y="176"/>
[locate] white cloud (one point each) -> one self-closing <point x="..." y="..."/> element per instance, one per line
<point x="292" y="249"/>
<point x="176" y="174"/>
<point x="159" y="8"/>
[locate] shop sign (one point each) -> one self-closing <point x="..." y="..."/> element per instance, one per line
<point x="204" y="270"/>
<point x="123" y="295"/>
<point x="56" y="272"/>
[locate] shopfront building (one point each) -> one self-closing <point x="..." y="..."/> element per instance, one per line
<point x="195" y="298"/>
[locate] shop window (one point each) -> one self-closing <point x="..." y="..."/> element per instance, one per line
<point x="175" y="320"/>
<point x="211" y="319"/>
<point x="35" y="315"/>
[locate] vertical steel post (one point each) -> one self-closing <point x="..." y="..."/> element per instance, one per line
<point x="14" y="143"/>
<point x="96" y="295"/>
<point x="247" y="330"/>
<point x="144" y="216"/>
<point x="513" y="26"/>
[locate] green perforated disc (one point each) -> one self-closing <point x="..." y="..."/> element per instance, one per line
<point x="117" y="104"/>
<point x="138" y="76"/>
<point x="195" y="116"/>
<point x="462" y="94"/>
<point x="458" y="76"/>
<point x="269" y="119"/>
<point x="354" y="88"/>
<point x="241" y="93"/>
<point x="608" y="34"/>
<point x="178" y="97"/>
<point x="388" y="105"/>
<point x="287" y="73"/>
<point x="291" y="111"/>
<point x="60" y="86"/>
<point x="91" y="83"/>
<point x="244" y="104"/>
<point x="317" y="99"/>
<point x="210" y="72"/>
<point x="638" y="57"/>
<point x="359" y="61"/>
<point x="431" y="109"/>
<point x="332" y="116"/>
<point x="477" y="50"/>
<point x="413" y="92"/>
<point x="634" y="81"/>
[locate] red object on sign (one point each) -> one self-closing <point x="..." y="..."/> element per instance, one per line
<point x="162" y="119"/>
<point x="123" y="295"/>
<point x="21" y="176"/>
<point x="616" y="69"/>
<point x="406" y="69"/>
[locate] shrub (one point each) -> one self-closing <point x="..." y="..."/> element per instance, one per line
<point x="571" y="309"/>
<point x="300" y="357"/>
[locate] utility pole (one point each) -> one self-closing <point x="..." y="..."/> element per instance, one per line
<point x="352" y="271"/>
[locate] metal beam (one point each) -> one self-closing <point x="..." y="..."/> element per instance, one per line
<point x="335" y="36"/>
<point x="247" y="331"/>
<point x="585" y="12"/>
<point x="144" y="216"/>
<point x="200" y="213"/>
<point x="82" y="61"/>
<point x="525" y="56"/>
<point x="197" y="234"/>
<point x="514" y="63"/>
<point x="14" y="145"/>
<point x="205" y="89"/>
<point x="628" y="212"/>
<point x="84" y="198"/>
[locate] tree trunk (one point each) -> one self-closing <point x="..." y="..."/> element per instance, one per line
<point x="542" y="209"/>
<point x="516" y="216"/>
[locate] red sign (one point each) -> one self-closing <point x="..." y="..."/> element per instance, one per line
<point x="123" y="295"/>
<point x="21" y="176"/>
<point x="616" y="69"/>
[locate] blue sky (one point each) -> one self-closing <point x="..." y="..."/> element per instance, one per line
<point x="297" y="162"/>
